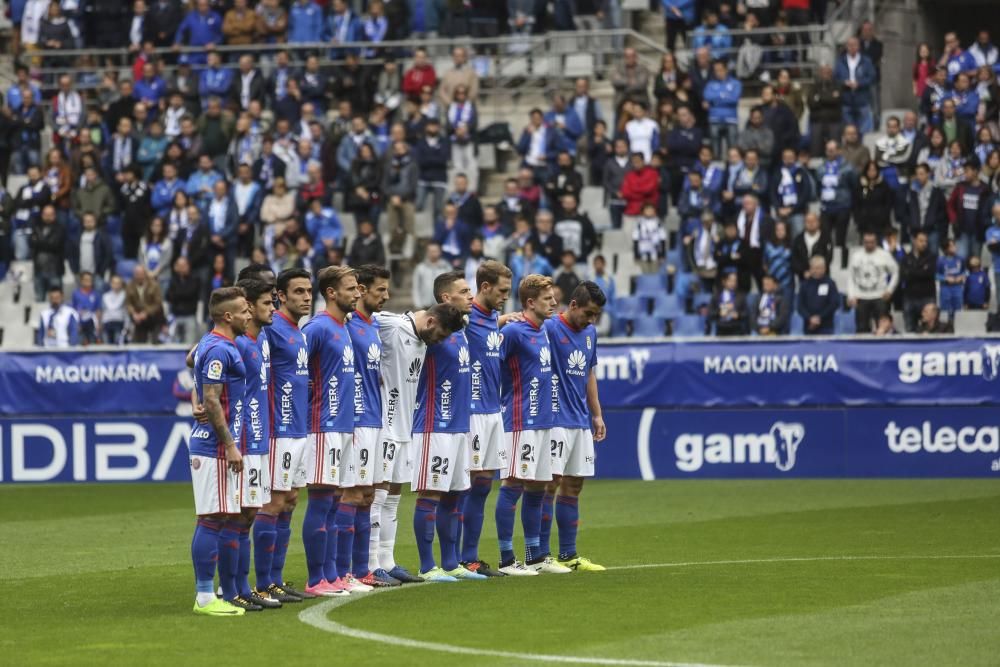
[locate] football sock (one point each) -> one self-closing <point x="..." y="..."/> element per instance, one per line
<point x="229" y="558"/>
<point x="283" y="528"/>
<point x="387" y="525"/>
<point x="314" y="534"/>
<point x="264" y="535"/>
<point x="204" y="554"/>
<point x="362" y="532"/>
<point x="531" y="523"/>
<point x="545" y="533"/>
<point x="568" y="518"/>
<point x="506" y="507"/>
<point x="376" y="517"/>
<point x="447" y="523"/>
<point x="460" y="526"/>
<point x="472" y="522"/>
<point x="330" y="560"/>
<point x="424" y="518"/>
<point x="243" y="569"/>
<point x="345" y="537"/>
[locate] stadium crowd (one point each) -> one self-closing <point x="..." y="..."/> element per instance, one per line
<point x="162" y="180"/>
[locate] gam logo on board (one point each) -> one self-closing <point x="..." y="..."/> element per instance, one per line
<point x="913" y="367"/>
<point x="777" y="447"/>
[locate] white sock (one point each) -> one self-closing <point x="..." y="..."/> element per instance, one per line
<point x="204" y="599"/>
<point x="376" y="513"/>
<point x="387" y="533"/>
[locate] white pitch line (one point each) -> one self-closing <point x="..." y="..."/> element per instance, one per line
<point x="316" y="615"/>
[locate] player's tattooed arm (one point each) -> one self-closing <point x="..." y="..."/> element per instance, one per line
<point x="594" y="403"/>
<point x="217" y="418"/>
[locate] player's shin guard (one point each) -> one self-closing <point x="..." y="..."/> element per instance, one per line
<point x="204" y="555"/>
<point x="264" y="536"/>
<point x="506" y="508"/>
<point x="362" y="533"/>
<point x="330" y="561"/>
<point x="472" y="523"/>
<point x="229" y="558"/>
<point x="314" y="533"/>
<point x="283" y="528"/>
<point x="531" y="523"/>
<point x="545" y="531"/>
<point x="243" y="568"/>
<point x="376" y="519"/>
<point x="424" y="519"/>
<point x="345" y="537"/>
<point x="568" y="518"/>
<point x="447" y="525"/>
<point x="388" y="524"/>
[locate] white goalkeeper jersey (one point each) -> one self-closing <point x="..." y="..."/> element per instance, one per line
<point x="402" y="358"/>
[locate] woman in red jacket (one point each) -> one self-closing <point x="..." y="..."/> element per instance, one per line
<point x="923" y="69"/>
<point x="641" y="186"/>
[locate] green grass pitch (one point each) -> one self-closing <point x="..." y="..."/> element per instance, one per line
<point x="736" y="573"/>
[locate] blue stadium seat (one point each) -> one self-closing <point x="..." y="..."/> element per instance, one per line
<point x="687" y="326"/>
<point x="627" y="307"/>
<point x="844" y="323"/>
<point x="701" y="300"/>
<point x="619" y="327"/>
<point x="649" y="326"/>
<point x="649" y="285"/>
<point x="798" y="325"/>
<point x="674" y="257"/>
<point x="667" y="306"/>
<point x="684" y="283"/>
<point x="125" y="267"/>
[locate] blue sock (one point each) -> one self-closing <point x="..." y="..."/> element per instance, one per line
<point x="229" y="558"/>
<point x="283" y="528"/>
<point x="362" y="534"/>
<point x="424" y="518"/>
<point x="531" y="523"/>
<point x="472" y="522"/>
<point x="345" y="538"/>
<point x="330" y="562"/>
<point x="447" y="522"/>
<point x="545" y="533"/>
<point x="460" y="526"/>
<point x="568" y="518"/>
<point x="264" y="535"/>
<point x="243" y="569"/>
<point x="506" y="507"/>
<point x="314" y="532"/>
<point x="205" y="554"/>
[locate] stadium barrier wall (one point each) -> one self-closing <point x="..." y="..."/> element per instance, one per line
<point x="908" y="407"/>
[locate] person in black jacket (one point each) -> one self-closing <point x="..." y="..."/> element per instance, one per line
<point x="565" y="181"/>
<point x="825" y="113"/>
<point x="182" y="296"/>
<point x="367" y="247"/>
<point x="134" y="203"/>
<point x="784" y="125"/>
<point x="48" y="252"/>
<point x="818" y="299"/>
<point x="268" y="166"/>
<point x="431" y="154"/>
<point x="683" y="143"/>
<point x="918" y="274"/>
<point x="814" y="241"/>
<point x="161" y="22"/>
<point x="873" y="202"/>
<point x="728" y="309"/>
<point x="927" y="208"/>
<point x="92" y="253"/>
<point x="27" y="132"/>
<point x="954" y="128"/>
<point x="544" y="239"/>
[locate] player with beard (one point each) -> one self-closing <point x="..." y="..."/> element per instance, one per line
<point x="373" y="285"/>
<point x="216" y="462"/>
<point x="404" y="342"/>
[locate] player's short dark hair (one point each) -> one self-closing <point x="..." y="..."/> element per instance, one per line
<point x="587" y="293"/>
<point x="447" y="316"/>
<point x="220" y="298"/>
<point x="255" y="270"/>
<point x="444" y="282"/>
<point x="332" y="276"/>
<point x="254" y="288"/>
<point x="288" y="275"/>
<point x="491" y="271"/>
<point x="367" y="274"/>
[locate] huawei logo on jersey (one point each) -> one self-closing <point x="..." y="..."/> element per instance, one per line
<point x="415" y="367"/>
<point x="265" y="349"/>
<point x="374" y="355"/>
<point x="302" y="361"/>
<point x="348" y="357"/>
<point x="576" y="362"/>
<point x="545" y="357"/>
<point x="493" y="341"/>
<point x="463" y="357"/>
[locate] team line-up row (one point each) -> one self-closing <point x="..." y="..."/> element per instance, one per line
<point x="357" y="402"/>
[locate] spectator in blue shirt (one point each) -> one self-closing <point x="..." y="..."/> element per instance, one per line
<point x="215" y="80"/>
<point x="58" y="325"/>
<point x="818" y="299"/>
<point x="679" y="15"/>
<point x="977" y="286"/>
<point x="201" y="182"/>
<point x="87" y="304"/>
<point x="993" y="241"/>
<point x="305" y="22"/>
<point x="951" y="279"/>
<point x="712" y="34"/>
<point x="201" y="27"/>
<point x="721" y="99"/>
<point x="856" y="75"/>
<point x="323" y="226"/>
<point x="567" y="125"/>
<point x="375" y="27"/>
<point x="453" y="236"/>
<point x="150" y="89"/>
<point x="966" y="99"/>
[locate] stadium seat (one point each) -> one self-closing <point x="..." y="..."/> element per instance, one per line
<point x="689" y="326"/>
<point x="649" y="326"/>
<point x="970" y="322"/>
<point x="844" y="323"/>
<point x="628" y="307"/>
<point x="619" y="327"/>
<point x="667" y="306"/>
<point x="649" y="285"/>
<point x="701" y="300"/>
<point x="674" y="257"/>
<point x="798" y="325"/>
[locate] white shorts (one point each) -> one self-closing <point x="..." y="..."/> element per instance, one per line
<point x="486" y="442"/>
<point x="358" y="467"/>
<point x="216" y="487"/>
<point x="528" y="455"/>
<point x="396" y="461"/>
<point x="441" y="462"/>
<point x="288" y="465"/>
<point x="255" y="481"/>
<point x="327" y="456"/>
<point x="572" y="452"/>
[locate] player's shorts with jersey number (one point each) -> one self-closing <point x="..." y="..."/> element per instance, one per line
<point x="572" y="451"/>
<point x="216" y="486"/>
<point x="486" y="442"/>
<point x="441" y="462"/>
<point x="394" y="463"/>
<point x="327" y="457"/>
<point x="288" y="463"/>
<point x="255" y="480"/>
<point x="528" y="455"/>
<point x="358" y="467"/>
